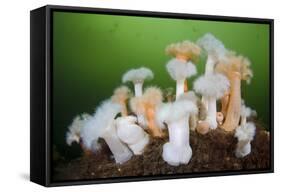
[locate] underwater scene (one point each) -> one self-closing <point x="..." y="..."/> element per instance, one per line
<point x="146" y="96"/>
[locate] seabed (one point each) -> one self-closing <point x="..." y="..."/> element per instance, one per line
<point x="211" y="152"/>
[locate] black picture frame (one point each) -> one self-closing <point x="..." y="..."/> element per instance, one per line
<point x="41" y="89"/>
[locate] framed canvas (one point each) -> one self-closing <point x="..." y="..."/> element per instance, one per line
<point x="119" y="95"/>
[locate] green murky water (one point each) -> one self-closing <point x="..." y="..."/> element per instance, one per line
<point x="91" y="52"/>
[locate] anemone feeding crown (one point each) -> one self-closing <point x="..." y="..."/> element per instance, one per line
<point x="121" y="93"/>
<point x="180" y="70"/>
<point x="212" y="85"/>
<point x="246" y="111"/>
<point x="212" y="46"/>
<point x="138" y="75"/>
<point x="236" y="63"/>
<point x="186" y="49"/>
<point x="153" y="96"/>
<point x="246" y="132"/>
<point x="190" y="95"/>
<point x="171" y="112"/>
<point x="73" y="134"/>
<point x="96" y="125"/>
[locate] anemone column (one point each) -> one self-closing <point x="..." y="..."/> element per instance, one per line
<point x="234" y="105"/>
<point x="119" y="150"/>
<point x="177" y="151"/>
<point x="131" y="134"/>
<point x="224" y="103"/>
<point x="194" y="117"/>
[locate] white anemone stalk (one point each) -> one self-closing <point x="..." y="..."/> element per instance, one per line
<point x="73" y="133"/>
<point x="177" y="151"/>
<point x="131" y="134"/>
<point x="211" y="87"/>
<point x="180" y="70"/>
<point x="193" y="119"/>
<point x="138" y="76"/>
<point x="102" y="125"/>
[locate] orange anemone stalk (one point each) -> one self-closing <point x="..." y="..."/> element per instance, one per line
<point x="236" y="68"/>
<point x="146" y="106"/>
<point x="152" y="98"/>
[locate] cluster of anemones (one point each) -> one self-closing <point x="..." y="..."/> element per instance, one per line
<point x="145" y="114"/>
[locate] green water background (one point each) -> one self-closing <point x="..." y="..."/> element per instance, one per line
<point x="91" y="52"/>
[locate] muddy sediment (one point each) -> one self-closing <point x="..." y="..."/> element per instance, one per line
<point x="211" y="152"/>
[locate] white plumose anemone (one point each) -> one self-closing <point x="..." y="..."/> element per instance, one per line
<point x="177" y="151"/>
<point x="211" y="87"/>
<point x="73" y="133"/>
<point x="138" y="76"/>
<point x="179" y="70"/>
<point x="245" y="134"/>
<point x="245" y="113"/>
<point x="102" y="125"/>
<point x="131" y="134"/>
<point x="215" y="50"/>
